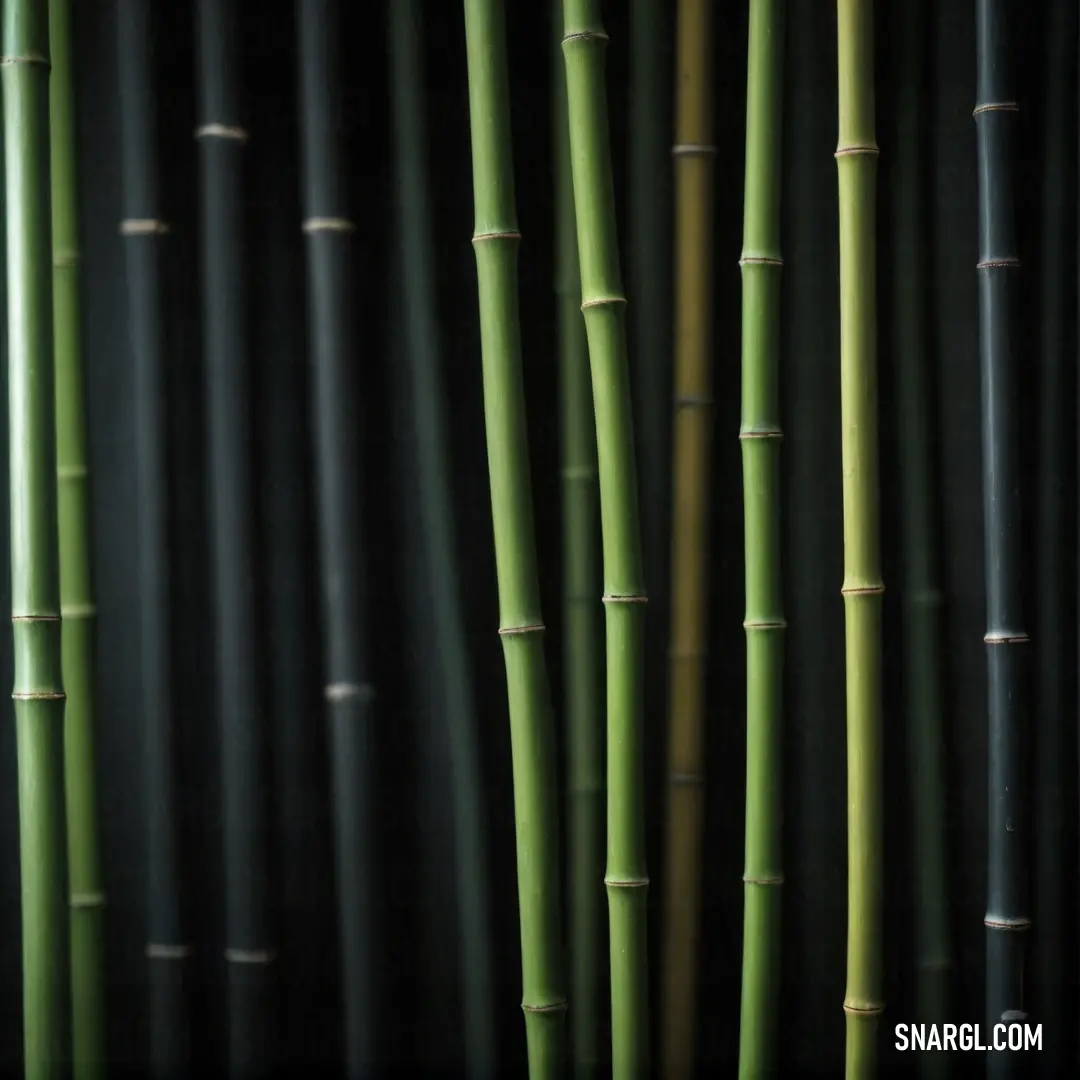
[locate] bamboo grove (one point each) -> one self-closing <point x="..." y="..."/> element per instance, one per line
<point x="639" y="642"/>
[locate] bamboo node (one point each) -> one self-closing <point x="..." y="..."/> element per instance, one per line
<point x="144" y="227"/>
<point x="35" y="618"/>
<point x="39" y="695"/>
<point x="693" y="401"/>
<point x="862" y="590"/>
<point x="479" y="238"/>
<point x="77" y="611"/>
<point x="761" y="433"/>
<point x="65" y="260"/>
<point x="222" y="131"/>
<point x="1012" y="923"/>
<point x="585" y="36"/>
<point x="531" y="628"/>
<point x="250" y="956"/>
<point x="868" y="150"/>
<point x="1006" y="637"/>
<point x="863" y="1010"/>
<point x="28" y="58"/>
<point x="602" y="301"/>
<point x="71" y="472"/>
<point x="685" y="779"/>
<point x="776" y="880"/>
<point x="81" y="900"/>
<point x="760" y="260"/>
<point x="551" y="1007"/>
<point x="328" y="224"/>
<point x="167" y="952"/>
<point x="995" y="106"/>
<point x="765" y="624"/>
<point x="694" y="150"/>
<point x="337" y="692"/>
<point x="1007" y="263"/>
<point x="612" y="599"/>
<point x="627" y="883"/>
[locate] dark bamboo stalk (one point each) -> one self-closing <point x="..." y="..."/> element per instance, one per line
<point x="232" y="491"/>
<point x="424" y="360"/>
<point x="922" y="598"/>
<point x="143" y="231"/>
<point x="1007" y="917"/>
<point x="330" y="246"/>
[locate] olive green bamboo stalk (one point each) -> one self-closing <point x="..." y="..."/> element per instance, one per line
<point x="694" y="156"/>
<point x="76" y="596"/>
<point x="35" y="570"/>
<point x="583" y="658"/>
<point x="495" y="242"/>
<point x="856" y="160"/>
<point x="760" y="438"/>
<point x="584" y="41"/>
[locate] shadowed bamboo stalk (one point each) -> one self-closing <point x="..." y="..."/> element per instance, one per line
<point x="38" y="692"/>
<point x="856" y="160"/>
<point x="495" y="242"/>
<point x="584" y="43"/>
<point x="694" y="155"/>
<point x="437" y="518"/>
<point x="760" y="438"/>
<point x="76" y="593"/>
<point x="1006" y="917"/>
<point x="330" y="236"/>
<point x="143" y="233"/>
<point x="922" y="598"/>
<point x="583" y="658"/>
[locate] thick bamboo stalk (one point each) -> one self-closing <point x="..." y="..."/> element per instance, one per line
<point x="330" y="253"/>
<point x="221" y="137"/>
<point x="694" y="154"/>
<point x="143" y="232"/>
<point x="922" y="598"/>
<point x="424" y="359"/>
<point x="1007" y="918"/>
<point x="760" y="436"/>
<point x="856" y="160"/>
<point x="1055" y="532"/>
<point x="584" y="42"/>
<point x="583" y="658"/>
<point x="76" y="591"/>
<point x="495" y="242"/>
<point x="35" y="567"/>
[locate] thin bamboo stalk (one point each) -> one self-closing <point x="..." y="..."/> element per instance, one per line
<point x="143" y="232"/>
<point x="249" y="951"/>
<point x="856" y="160"/>
<point x="330" y="251"/>
<point x="694" y="154"/>
<point x="584" y="42"/>
<point x="532" y="736"/>
<point x="1007" y="886"/>
<point x="425" y="362"/>
<point x="76" y="591"/>
<point x="760" y="437"/>
<point x="583" y="659"/>
<point x="922" y="598"/>
<point x="35" y="568"/>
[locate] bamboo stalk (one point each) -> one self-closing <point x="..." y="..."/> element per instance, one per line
<point x="604" y="305"/>
<point x="583" y="658"/>
<point x="221" y="137"/>
<point x="38" y="692"/>
<point x="760" y="437"/>
<point x="330" y="252"/>
<point x="856" y="159"/>
<point x="1006" y="918"/>
<point x="922" y="598"/>
<point x="694" y="154"/>
<point x="495" y="242"/>
<point x="143" y="232"/>
<point x="440" y="550"/>
<point x="76" y="592"/>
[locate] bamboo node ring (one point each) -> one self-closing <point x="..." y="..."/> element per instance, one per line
<point x="82" y="900"/>
<point x="1009" y="262"/>
<point x="760" y="260"/>
<point x="996" y="106"/>
<point x="328" y="224"/>
<point x="1016" y="925"/>
<point x="554" y="1007"/>
<point x="222" y="131"/>
<point x="585" y="36"/>
<point x="694" y="150"/>
<point x="863" y="1010"/>
<point x="1006" y="637"/>
<point x="64" y="260"/>
<point x="857" y="151"/>
<point x="777" y="880"/>
<point x="35" y="618"/>
<point x="144" y="227"/>
<point x="768" y="433"/>
<point x="765" y="624"/>
<point x="530" y="628"/>
<point x="77" y="611"/>
<point x="615" y="599"/>
<point x="506" y="235"/>
<point x="683" y="779"/>
<point x="27" y="58"/>
<point x="337" y="692"/>
<point x="862" y="590"/>
<point x="250" y="956"/>
<point x="167" y="952"/>
<point x="39" y="695"/>
<point x="602" y="301"/>
<point x="627" y="883"/>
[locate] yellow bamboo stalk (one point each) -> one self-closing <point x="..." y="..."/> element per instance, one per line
<point x="694" y="154"/>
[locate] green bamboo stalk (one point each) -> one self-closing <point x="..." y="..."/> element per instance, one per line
<point x="35" y="566"/>
<point x="76" y="593"/>
<point x="856" y="160"/>
<point x="760" y="438"/>
<point x="604" y="305"/>
<point x="582" y="656"/>
<point x="495" y="242"/>
<point x="440" y="548"/>
<point x="922" y="598"/>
